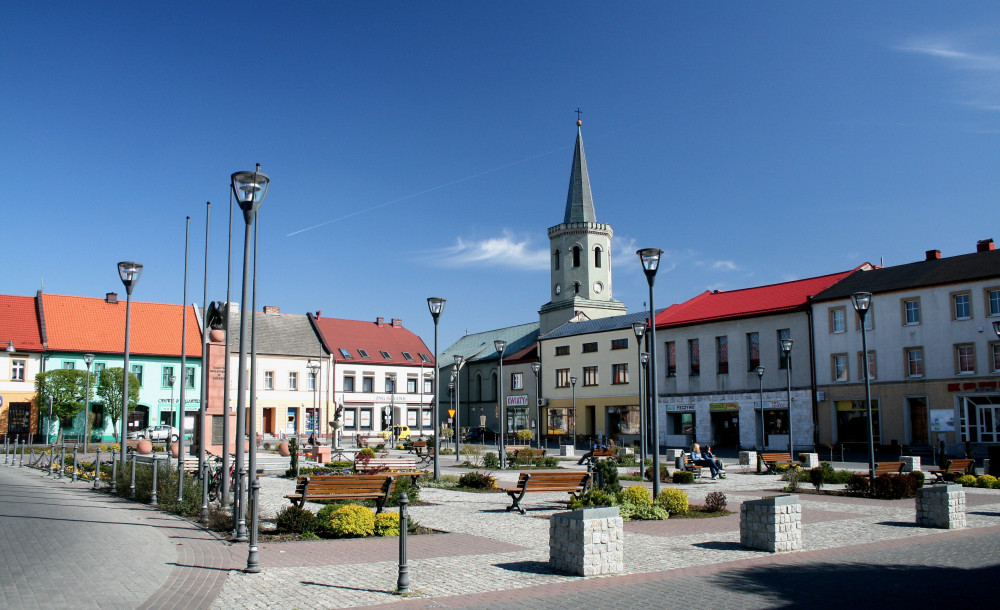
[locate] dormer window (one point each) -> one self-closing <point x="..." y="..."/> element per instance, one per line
<point x="346" y="354"/>
<point x="364" y="354"/>
<point x="407" y="356"/>
<point x="385" y="354"/>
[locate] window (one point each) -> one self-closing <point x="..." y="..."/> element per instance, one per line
<point x="597" y="257"/>
<point x="911" y="311"/>
<point x="783" y="333"/>
<point x="589" y="347"/>
<point x="411" y="385"/>
<point x="363" y="352"/>
<point x="424" y="358"/>
<point x="311" y="381"/>
<point x="385" y="354"/>
<point x="98" y="369"/>
<point x="367" y="384"/>
<point x="517" y="381"/>
<point x="722" y="355"/>
<point x="753" y="351"/>
<point x="268" y="380"/>
<point x="293" y="380"/>
<point x="17" y="366"/>
<point x="137" y="371"/>
<point x="839" y="362"/>
<point x="562" y="350"/>
<point x="961" y="306"/>
<point x="555" y="260"/>
<point x="576" y="256"/>
<point x="869" y="318"/>
<point x="189" y="376"/>
<point x="348" y="383"/>
<point x="838" y="320"/>
<point x="619" y="343"/>
<point x="428" y="386"/>
<point x="993" y="301"/>
<point x="69" y="364"/>
<point x="590" y="375"/>
<point x="167" y="373"/>
<point x="965" y="359"/>
<point x="694" y="358"/>
<point x="914" y="362"/>
<point x="390" y="385"/>
<point x="995" y="356"/>
<point x="671" y="349"/>
<point x="872" y="368"/>
<point x="346" y="354"/>
<point x="562" y="378"/>
<point x="619" y="373"/>
<point x="576" y="287"/>
<point x="407" y="356"/>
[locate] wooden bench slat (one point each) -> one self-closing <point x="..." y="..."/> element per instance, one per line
<point x="573" y="483"/>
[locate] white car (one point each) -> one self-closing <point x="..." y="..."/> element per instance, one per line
<point x="156" y="433"/>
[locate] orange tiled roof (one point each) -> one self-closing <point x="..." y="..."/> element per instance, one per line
<point x="353" y="335"/>
<point x="19" y="323"/>
<point x="85" y="324"/>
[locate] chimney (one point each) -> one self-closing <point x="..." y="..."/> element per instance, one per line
<point x="319" y="312"/>
<point x="380" y="321"/>
<point x="984" y="245"/>
<point x="271" y="309"/>
<point x="111" y="298"/>
<point x="933" y="255"/>
<point x="397" y="322"/>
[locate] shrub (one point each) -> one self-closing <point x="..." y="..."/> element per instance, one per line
<point x="447" y="451"/>
<point x="549" y="462"/>
<point x="477" y="480"/>
<point x="683" y="477"/>
<point x="918" y="478"/>
<point x="648" y="512"/>
<point x="858" y="485"/>
<point x="524" y="435"/>
<point x="473" y="454"/>
<point x="817" y="476"/>
<point x="894" y="487"/>
<point x="996" y="484"/>
<point x="674" y="501"/>
<point x="295" y="520"/>
<point x="593" y="497"/>
<point x="404" y="484"/>
<point x="367" y="452"/>
<point x="387" y="524"/>
<point x="606" y="475"/>
<point x="293" y="453"/>
<point x="715" y="501"/>
<point x="626" y="459"/>
<point x="637" y="495"/>
<point x="792" y="476"/>
<point x="491" y="461"/>
<point x="966" y="480"/>
<point x="340" y="465"/>
<point x="352" y="521"/>
<point x="986" y="481"/>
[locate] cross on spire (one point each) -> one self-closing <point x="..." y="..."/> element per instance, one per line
<point x="578" y="113"/>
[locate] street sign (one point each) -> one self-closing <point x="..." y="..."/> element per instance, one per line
<point x="451" y="412"/>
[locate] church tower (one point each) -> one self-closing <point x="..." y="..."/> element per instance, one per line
<point x="579" y="256"/>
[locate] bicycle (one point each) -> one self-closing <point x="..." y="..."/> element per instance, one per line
<point x="215" y="479"/>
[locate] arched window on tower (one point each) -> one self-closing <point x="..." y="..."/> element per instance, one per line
<point x="555" y="260"/>
<point x="479" y="387"/>
<point x="576" y="256"/>
<point x="597" y="257"/>
<point x="576" y="287"/>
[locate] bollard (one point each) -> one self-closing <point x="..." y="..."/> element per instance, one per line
<point x="16" y="443"/>
<point x="6" y="449"/>
<point x="131" y="487"/>
<point x="253" y="563"/>
<point x="74" y="463"/>
<point x="152" y="493"/>
<point x="52" y="457"/>
<point x="241" y="522"/>
<point x="62" y="459"/>
<point x="21" y="463"/>
<point x="114" y="473"/>
<point x="204" y="492"/>
<point x="97" y="467"/>
<point x="403" y="581"/>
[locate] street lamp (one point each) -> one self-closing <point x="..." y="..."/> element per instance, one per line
<point x="786" y="347"/>
<point x="862" y="303"/>
<point x="572" y="381"/>
<point x="760" y="391"/>
<point x="88" y="359"/>
<point x="639" y="328"/>
<point x="392" y="407"/>
<point x="650" y="259"/>
<point x="314" y="367"/>
<point x="644" y="405"/>
<point x="436" y="306"/>
<point x="249" y="189"/>
<point x="173" y="414"/>
<point x="457" y="372"/>
<point x="10" y="347"/>
<point x="130" y="272"/>
<point x="500" y="346"/>
<point x="535" y="367"/>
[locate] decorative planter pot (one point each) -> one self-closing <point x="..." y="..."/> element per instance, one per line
<point x="145" y="446"/>
<point x="173" y="449"/>
<point x="283" y="449"/>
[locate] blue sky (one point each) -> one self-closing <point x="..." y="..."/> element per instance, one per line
<point x="423" y="149"/>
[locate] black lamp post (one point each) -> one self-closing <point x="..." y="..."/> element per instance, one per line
<point x="500" y="345"/>
<point x="760" y="391"/>
<point x="535" y="367"/>
<point x="572" y="382"/>
<point x="650" y="259"/>
<point x="457" y="376"/>
<point x="314" y="366"/>
<point x="436" y="306"/>
<point x="249" y="189"/>
<point x="639" y="328"/>
<point x="862" y="303"/>
<point x="130" y="272"/>
<point x="786" y="347"/>
<point x="88" y="359"/>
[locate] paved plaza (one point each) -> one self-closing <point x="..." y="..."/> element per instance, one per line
<point x="66" y="545"/>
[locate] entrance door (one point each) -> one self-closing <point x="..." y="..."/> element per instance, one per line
<point x="293" y="416"/>
<point x="268" y="423"/>
<point x="989" y="424"/>
<point x="725" y="428"/>
<point x="19" y="420"/>
<point x="918" y="420"/>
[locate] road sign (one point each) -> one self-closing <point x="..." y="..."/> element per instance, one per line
<point x="451" y="412"/>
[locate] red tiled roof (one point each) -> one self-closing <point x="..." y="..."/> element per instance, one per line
<point x="720" y="305"/>
<point x="19" y="323"/>
<point x="84" y="324"/>
<point x="353" y="335"/>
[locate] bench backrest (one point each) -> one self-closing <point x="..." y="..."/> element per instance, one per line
<point x="776" y="457"/>
<point x="888" y="468"/>
<point x="606" y="452"/>
<point x="419" y="443"/>
<point x="344" y="483"/>
<point x="554" y="481"/>
<point x="964" y="465"/>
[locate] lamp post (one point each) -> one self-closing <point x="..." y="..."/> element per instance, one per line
<point x="88" y="359"/>
<point x="392" y="407"/>
<point x="862" y="303"/>
<point x="457" y="372"/>
<point x="535" y="367"/>
<point x="644" y="409"/>
<point x="436" y="305"/>
<point x="129" y="272"/>
<point x="639" y="328"/>
<point x="572" y="382"/>
<point x="760" y="393"/>
<point x="500" y="346"/>
<point x="249" y="189"/>
<point x="314" y="367"/>
<point x="650" y="259"/>
<point x="786" y="347"/>
<point x="173" y="414"/>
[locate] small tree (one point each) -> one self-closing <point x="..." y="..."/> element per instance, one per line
<point x="67" y="388"/>
<point x="109" y="389"/>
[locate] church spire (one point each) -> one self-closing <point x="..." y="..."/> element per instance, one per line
<point x="579" y="201"/>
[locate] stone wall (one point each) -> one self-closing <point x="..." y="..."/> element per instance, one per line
<point x="587" y="542"/>
<point x="772" y="524"/>
<point x="941" y="507"/>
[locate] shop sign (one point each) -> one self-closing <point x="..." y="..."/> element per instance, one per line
<point x="674" y="408"/>
<point x="724" y="406"/>
<point x="517" y="400"/>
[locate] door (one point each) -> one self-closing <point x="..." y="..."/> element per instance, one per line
<point x="989" y="424"/>
<point x="18" y="422"/>
<point x="918" y="420"/>
<point x="268" y="423"/>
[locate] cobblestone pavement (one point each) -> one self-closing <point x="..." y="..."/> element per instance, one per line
<point x="493" y="558"/>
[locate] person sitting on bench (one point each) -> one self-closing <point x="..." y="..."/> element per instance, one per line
<point x="590" y="454"/>
<point x="699" y="459"/>
<point x="718" y="463"/>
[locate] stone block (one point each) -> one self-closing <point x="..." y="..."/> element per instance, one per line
<point x="910" y="462"/>
<point x="587" y="542"/>
<point x="772" y="524"/>
<point x="567" y="451"/>
<point x="941" y="507"/>
<point x="811" y="460"/>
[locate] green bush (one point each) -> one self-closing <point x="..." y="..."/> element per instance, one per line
<point x="352" y="521"/>
<point x="340" y="465"/>
<point x="549" y="462"/>
<point x="966" y="480"/>
<point x="649" y="512"/>
<point x="683" y="477"/>
<point x="525" y="435"/>
<point x="986" y="481"/>
<point x="858" y="485"/>
<point x="674" y="501"/>
<point x="918" y="478"/>
<point x="473" y="454"/>
<point x="637" y="495"/>
<point x="295" y="520"/>
<point x="792" y="476"/>
<point x="996" y="484"/>
<point x="491" y="461"/>
<point x="477" y="480"/>
<point x="624" y="459"/>
<point x="293" y="453"/>
<point x="715" y="501"/>
<point x="894" y="486"/>
<point x="817" y="476"/>
<point x="367" y="452"/>
<point x="606" y="476"/>
<point x="593" y="497"/>
<point x="387" y="524"/>
<point x="404" y="484"/>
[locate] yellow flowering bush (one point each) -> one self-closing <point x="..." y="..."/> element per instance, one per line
<point x="387" y="524"/>
<point x="986" y="481"/>
<point x="351" y="521"/>
<point x="675" y="501"/>
<point x="966" y="480"/>
<point x="637" y="495"/>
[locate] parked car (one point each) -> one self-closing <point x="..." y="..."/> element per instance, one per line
<point x="156" y="433"/>
<point x="400" y="432"/>
<point x="481" y="434"/>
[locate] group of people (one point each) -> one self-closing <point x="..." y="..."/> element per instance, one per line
<point x="707" y="458"/>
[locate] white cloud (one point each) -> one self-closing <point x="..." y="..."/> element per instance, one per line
<point x="725" y="265"/>
<point x="503" y="251"/>
<point x="975" y="63"/>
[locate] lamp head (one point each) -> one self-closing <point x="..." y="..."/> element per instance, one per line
<point x="130" y="272"/>
<point x="458" y="361"/>
<point x="786" y="346"/>
<point x="996" y="327"/>
<point x="10" y="347"/>
<point x="639" y="328"/>
<point x="536" y="366"/>
<point x="249" y="188"/>
<point x="760" y="371"/>
<point x="173" y="380"/>
<point x="644" y="358"/>
<point x="89" y="359"/>
<point x="650" y="259"/>
<point x="862" y="301"/>
<point x="436" y="306"/>
<point x="572" y="381"/>
<point x="500" y="346"/>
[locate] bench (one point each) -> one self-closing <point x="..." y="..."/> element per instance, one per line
<point x="882" y="468"/>
<point x="370" y="441"/>
<point x="385" y="462"/>
<point x="574" y="483"/>
<point x="529" y="453"/>
<point x="513" y="449"/>
<point x="771" y="461"/>
<point x="690" y="466"/>
<point x="317" y="488"/>
<point x="954" y="467"/>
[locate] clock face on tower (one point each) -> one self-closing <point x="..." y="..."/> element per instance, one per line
<point x="598" y="287"/>
<point x="558" y="289"/>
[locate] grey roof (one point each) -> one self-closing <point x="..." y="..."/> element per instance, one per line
<point x="934" y="272"/>
<point x="279" y="334"/>
<point x="479" y="346"/>
<point x="569" y="329"/>
<point x="579" y="201"/>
